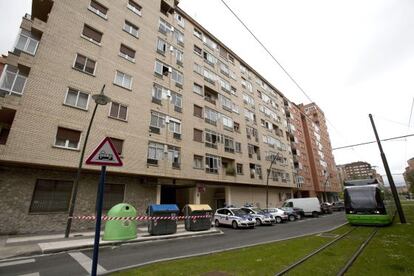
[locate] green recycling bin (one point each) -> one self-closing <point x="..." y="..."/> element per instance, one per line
<point x="197" y="224"/>
<point x="120" y="230"/>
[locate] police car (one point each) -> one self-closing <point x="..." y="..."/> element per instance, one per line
<point x="235" y="217"/>
<point x="259" y="215"/>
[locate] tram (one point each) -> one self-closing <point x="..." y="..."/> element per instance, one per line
<point x="368" y="203"/>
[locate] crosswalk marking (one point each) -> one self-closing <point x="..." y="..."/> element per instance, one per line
<point x="27" y="261"/>
<point x="85" y="262"/>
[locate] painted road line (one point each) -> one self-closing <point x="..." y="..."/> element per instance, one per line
<point x="86" y="262"/>
<point x="17" y="262"/>
<point x="31" y="274"/>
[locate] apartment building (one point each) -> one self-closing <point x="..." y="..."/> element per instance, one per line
<point x="192" y="121"/>
<point x="296" y="134"/>
<point x="319" y="149"/>
<point x="359" y="170"/>
<point x="407" y="171"/>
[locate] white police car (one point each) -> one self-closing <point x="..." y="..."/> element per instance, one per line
<point x="259" y="215"/>
<point x="235" y="217"/>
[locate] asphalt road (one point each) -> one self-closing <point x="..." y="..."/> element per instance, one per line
<point x="112" y="258"/>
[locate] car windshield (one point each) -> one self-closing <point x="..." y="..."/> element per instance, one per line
<point x="287" y="204"/>
<point x="239" y="212"/>
<point x="257" y="210"/>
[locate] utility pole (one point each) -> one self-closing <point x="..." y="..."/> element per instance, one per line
<point x="389" y="175"/>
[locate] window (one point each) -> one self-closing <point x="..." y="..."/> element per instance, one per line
<point x="174" y="126"/>
<point x="198" y="89"/>
<point x="209" y="58"/>
<point x="157" y="92"/>
<point x="209" y="76"/>
<point x="118" y="111"/>
<point x="198" y="34"/>
<point x="228" y="144"/>
<point x="164" y="27"/>
<point x="210" y="116"/>
<point x="198" y="111"/>
<point x="177" y="101"/>
<point x="177" y="77"/>
<point x="198" y="162"/>
<point x="198" y="50"/>
<point x="123" y="80"/>
<point x="155" y="152"/>
<point x="211" y="139"/>
<point x="161" y="69"/>
<point x="113" y="194"/>
<point x="77" y="98"/>
<point x="236" y="127"/>
<point x="157" y="120"/>
<point x="239" y="168"/>
<point x="118" y="144"/>
<point x="161" y="46"/>
<point x="84" y="64"/>
<point x="198" y="69"/>
<point x="179" y="37"/>
<point x="12" y="80"/>
<point x="127" y="53"/>
<point x="98" y="8"/>
<point x="224" y="69"/>
<point x="51" y="196"/>
<point x="227" y="122"/>
<point x="259" y="171"/>
<point x="225" y="85"/>
<point x="92" y="34"/>
<point x="179" y="19"/>
<point x="179" y="56"/>
<point x="131" y="29"/>
<point x="212" y="163"/>
<point x="134" y="7"/>
<point x="209" y="42"/>
<point x="67" y="138"/>
<point x="27" y="43"/>
<point x="174" y="156"/>
<point x="198" y="135"/>
<point x="231" y="59"/>
<point x="227" y="104"/>
<point x="238" y="147"/>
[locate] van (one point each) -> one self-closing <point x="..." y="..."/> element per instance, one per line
<point x="310" y="205"/>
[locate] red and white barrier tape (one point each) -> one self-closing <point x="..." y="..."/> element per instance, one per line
<point x="141" y="218"/>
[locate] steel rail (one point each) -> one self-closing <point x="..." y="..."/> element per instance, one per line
<point x="290" y="267"/>
<point x="357" y="253"/>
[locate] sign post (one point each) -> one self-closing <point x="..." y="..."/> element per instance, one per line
<point x="104" y="155"/>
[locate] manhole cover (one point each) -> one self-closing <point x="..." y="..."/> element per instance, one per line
<point x="327" y="235"/>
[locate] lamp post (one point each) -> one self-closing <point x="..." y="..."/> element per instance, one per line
<point x="100" y="99"/>
<point x="274" y="157"/>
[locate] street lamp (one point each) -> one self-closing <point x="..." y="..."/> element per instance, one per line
<point x="274" y="157"/>
<point x="100" y="99"/>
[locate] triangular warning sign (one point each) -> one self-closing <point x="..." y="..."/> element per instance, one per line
<point x="105" y="155"/>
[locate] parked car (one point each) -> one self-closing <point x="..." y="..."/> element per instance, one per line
<point x="338" y="206"/>
<point x="260" y="215"/>
<point x="278" y="214"/>
<point x="326" y="208"/>
<point x="235" y="217"/>
<point x="310" y="205"/>
<point x="293" y="213"/>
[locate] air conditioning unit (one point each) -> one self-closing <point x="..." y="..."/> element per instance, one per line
<point x="165" y="149"/>
<point x="168" y="93"/>
<point x="167" y="119"/>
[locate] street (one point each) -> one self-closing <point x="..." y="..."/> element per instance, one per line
<point x="112" y="258"/>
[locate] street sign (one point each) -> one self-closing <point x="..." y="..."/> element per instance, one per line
<point x="105" y="155"/>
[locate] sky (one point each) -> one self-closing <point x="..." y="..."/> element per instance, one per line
<point x="351" y="57"/>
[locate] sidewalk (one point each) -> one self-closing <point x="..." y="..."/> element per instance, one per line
<point x="14" y="246"/>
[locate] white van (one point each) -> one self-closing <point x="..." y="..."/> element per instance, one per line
<point x="310" y="205"/>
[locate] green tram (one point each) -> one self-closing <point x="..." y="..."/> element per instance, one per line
<point x="368" y="203"/>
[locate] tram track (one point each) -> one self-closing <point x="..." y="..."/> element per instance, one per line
<point x="348" y="264"/>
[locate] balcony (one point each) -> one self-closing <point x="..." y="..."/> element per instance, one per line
<point x="229" y="166"/>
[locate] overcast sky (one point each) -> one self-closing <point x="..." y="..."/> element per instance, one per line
<point x="351" y="57"/>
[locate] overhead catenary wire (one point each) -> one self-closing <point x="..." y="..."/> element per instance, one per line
<point x="372" y="142"/>
<point x="281" y="66"/>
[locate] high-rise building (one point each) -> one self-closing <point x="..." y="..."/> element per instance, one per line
<point x="192" y="121"/>
<point x="359" y="170"/>
<point x="319" y="150"/>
